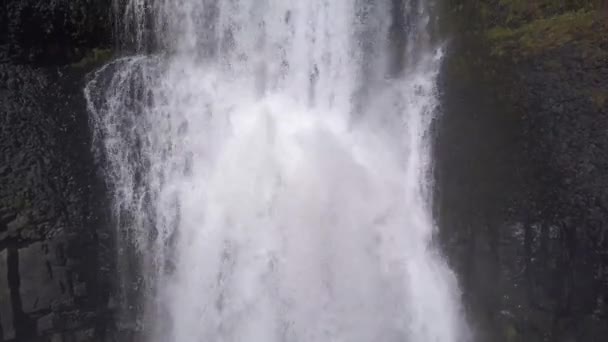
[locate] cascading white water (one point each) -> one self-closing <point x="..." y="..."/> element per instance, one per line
<point x="270" y="172"/>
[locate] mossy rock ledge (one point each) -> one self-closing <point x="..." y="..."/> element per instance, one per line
<point x="523" y="139"/>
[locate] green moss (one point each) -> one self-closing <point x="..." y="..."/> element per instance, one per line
<point x="599" y="98"/>
<point x="518" y="12"/>
<point x="542" y="35"/>
<point x="511" y="334"/>
<point x="21" y="202"/>
<point x="93" y="58"/>
<point x="554" y="65"/>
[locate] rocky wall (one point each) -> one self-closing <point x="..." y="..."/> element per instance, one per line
<point x="55" y="251"/>
<point x="522" y="193"/>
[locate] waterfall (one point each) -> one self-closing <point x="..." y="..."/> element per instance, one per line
<point x="270" y="172"/>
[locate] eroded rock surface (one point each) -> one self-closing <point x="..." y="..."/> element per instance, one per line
<point x="53" y="275"/>
<point x="54" y="251"/>
<point x="522" y="151"/>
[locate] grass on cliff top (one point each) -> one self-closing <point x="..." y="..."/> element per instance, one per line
<point x="93" y="58"/>
<point x="522" y="11"/>
<point x="583" y="26"/>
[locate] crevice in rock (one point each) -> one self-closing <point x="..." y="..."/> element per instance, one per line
<point x="25" y="328"/>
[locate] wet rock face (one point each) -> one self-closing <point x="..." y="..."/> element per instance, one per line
<point x="54" y="252"/>
<point x="566" y="244"/>
<point x="54" y="262"/>
<point x="52" y="32"/>
<point x="522" y="188"/>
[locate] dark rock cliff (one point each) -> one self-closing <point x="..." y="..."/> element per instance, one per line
<point x="55" y="256"/>
<point x="521" y="166"/>
<point x="522" y="169"/>
<point x="52" y="32"/>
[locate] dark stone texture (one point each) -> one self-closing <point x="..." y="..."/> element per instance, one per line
<point x="522" y="191"/>
<point x="54" y="264"/>
<point x="55" y="256"/>
<point x="6" y="308"/>
<point x="52" y="32"/>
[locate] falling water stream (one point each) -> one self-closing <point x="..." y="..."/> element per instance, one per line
<point x="269" y="166"/>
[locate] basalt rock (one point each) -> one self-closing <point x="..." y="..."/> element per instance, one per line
<point x="521" y="168"/>
<point x="54" y="262"/>
<point x="55" y="259"/>
<point x="52" y="32"/>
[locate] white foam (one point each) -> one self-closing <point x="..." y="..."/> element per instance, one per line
<point x="275" y="179"/>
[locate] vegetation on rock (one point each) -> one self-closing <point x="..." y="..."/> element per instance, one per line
<point x="526" y="96"/>
<point x="94" y="57"/>
<point x="582" y="27"/>
<point x="523" y="28"/>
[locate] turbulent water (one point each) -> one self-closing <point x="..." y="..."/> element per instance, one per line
<point x="269" y="164"/>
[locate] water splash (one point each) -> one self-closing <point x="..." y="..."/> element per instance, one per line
<point x="270" y="170"/>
